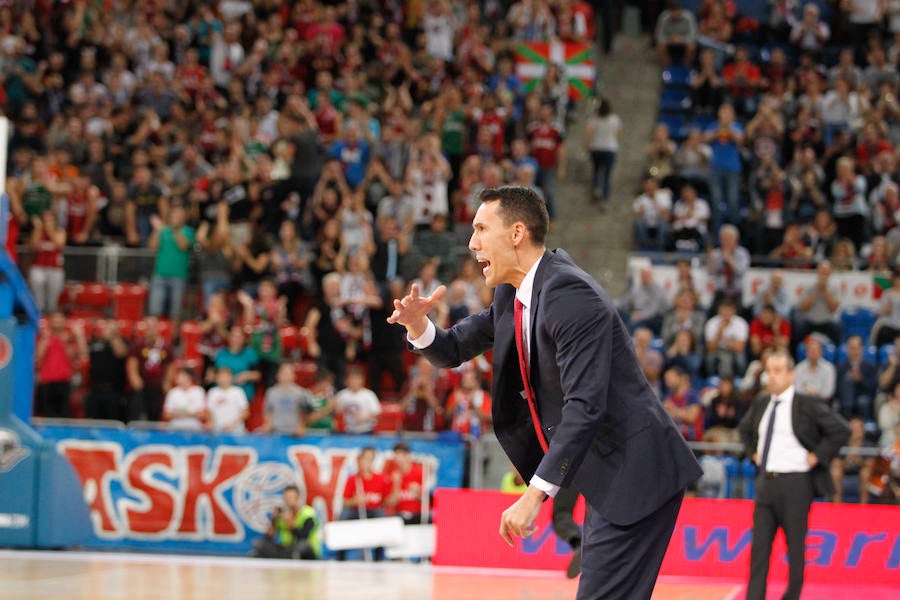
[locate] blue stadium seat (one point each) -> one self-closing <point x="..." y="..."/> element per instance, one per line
<point x="884" y="354"/>
<point x="857" y="320"/>
<point x="870" y="352"/>
<point x="703" y="122"/>
<point x="676" y="124"/>
<point x="829" y="352"/>
<point x="675" y="101"/>
<point x="755" y="9"/>
<point x="658" y="344"/>
<point x="676" y="77"/>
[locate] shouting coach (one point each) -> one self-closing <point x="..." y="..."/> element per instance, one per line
<point x="571" y="404"/>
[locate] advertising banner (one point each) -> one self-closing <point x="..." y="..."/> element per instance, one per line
<point x="198" y="492"/>
<point x="712" y="539"/>
<point x="854" y="288"/>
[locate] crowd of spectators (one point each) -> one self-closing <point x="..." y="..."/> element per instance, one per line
<point x="777" y="139"/>
<point x="288" y="165"/>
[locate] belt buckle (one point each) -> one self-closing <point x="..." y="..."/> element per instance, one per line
<point x="772" y="475"/>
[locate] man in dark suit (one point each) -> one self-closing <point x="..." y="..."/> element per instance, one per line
<point x="857" y="382"/>
<point x="792" y="439"/>
<point x="571" y="404"/>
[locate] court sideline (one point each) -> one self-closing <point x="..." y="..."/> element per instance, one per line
<point x="36" y="575"/>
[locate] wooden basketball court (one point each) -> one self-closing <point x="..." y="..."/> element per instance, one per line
<point x="99" y="576"/>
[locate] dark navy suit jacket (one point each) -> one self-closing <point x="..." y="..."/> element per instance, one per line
<point x="609" y="435"/>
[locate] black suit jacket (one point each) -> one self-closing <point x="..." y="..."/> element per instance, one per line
<point x="818" y="429"/>
<point x="609" y="435"/>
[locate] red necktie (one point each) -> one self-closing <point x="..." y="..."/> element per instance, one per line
<point x="523" y="368"/>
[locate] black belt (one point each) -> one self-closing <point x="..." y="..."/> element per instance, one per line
<point x="776" y="475"/>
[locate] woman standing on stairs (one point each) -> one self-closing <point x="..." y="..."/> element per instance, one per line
<point x="601" y="139"/>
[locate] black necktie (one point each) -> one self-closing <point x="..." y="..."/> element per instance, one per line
<point x="770" y="428"/>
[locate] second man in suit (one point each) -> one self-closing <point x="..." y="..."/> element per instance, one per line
<point x="792" y="439"/>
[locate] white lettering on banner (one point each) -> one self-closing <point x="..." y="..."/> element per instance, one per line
<point x="14" y="521"/>
<point x="161" y="492"/>
<point x="855" y="288"/>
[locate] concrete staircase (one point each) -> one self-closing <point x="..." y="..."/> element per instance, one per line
<point x="600" y="241"/>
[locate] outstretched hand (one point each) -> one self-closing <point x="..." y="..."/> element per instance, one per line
<point x="412" y="310"/>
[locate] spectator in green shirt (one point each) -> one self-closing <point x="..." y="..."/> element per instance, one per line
<point x="173" y="244"/>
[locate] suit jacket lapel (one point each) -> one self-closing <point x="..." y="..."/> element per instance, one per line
<point x="539" y="277"/>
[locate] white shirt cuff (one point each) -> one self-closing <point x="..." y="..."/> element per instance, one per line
<point x="426" y="339"/>
<point x="547" y="488"/>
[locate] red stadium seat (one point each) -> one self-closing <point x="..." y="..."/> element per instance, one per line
<point x="391" y="417"/>
<point x="129" y="299"/>
<point x="190" y="340"/>
<point x="305" y="371"/>
<point x="290" y="342"/>
<point x="89" y="300"/>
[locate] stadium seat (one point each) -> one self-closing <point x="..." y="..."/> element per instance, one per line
<point x="676" y="77"/>
<point x="290" y="342"/>
<point x="391" y="418"/>
<point x="702" y="122"/>
<point x="129" y="301"/>
<point x="305" y="372"/>
<point x="89" y="300"/>
<point x="857" y="320"/>
<point x="190" y="340"/>
<point x="658" y="344"/>
<point x="677" y="102"/>
<point x="870" y="352"/>
<point x="676" y="124"/>
<point x="884" y="354"/>
<point x="829" y="352"/>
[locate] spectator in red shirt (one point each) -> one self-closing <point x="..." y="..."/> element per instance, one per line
<point x="683" y="404"/>
<point x="469" y="406"/>
<point x="366" y="494"/>
<point x="769" y="330"/>
<point x="549" y="150"/>
<point x="743" y="81"/>
<point x="407" y="478"/>
<point x="57" y="356"/>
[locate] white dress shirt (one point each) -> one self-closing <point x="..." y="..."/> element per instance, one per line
<point x="523" y="295"/>
<point x="786" y="454"/>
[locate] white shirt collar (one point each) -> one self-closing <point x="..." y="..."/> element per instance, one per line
<point x="787" y="396"/>
<point x="523" y="294"/>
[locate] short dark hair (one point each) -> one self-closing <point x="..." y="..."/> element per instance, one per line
<point x="291" y="488"/>
<point x="401" y="447"/>
<point x="520" y="203"/>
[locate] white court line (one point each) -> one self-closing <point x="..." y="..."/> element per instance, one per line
<point x="312" y="565"/>
<point x="239" y="561"/>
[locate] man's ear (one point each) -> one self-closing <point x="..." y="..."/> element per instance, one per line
<point x="519" y="233"/>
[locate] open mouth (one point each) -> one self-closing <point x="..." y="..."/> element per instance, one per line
<point x="485" y="266"/>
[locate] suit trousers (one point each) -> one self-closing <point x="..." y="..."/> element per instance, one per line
<point x="622" y="562"/>
<point x="782" y="500"/>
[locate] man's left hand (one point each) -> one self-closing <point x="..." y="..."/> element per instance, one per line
<point x="519" y="518"/>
